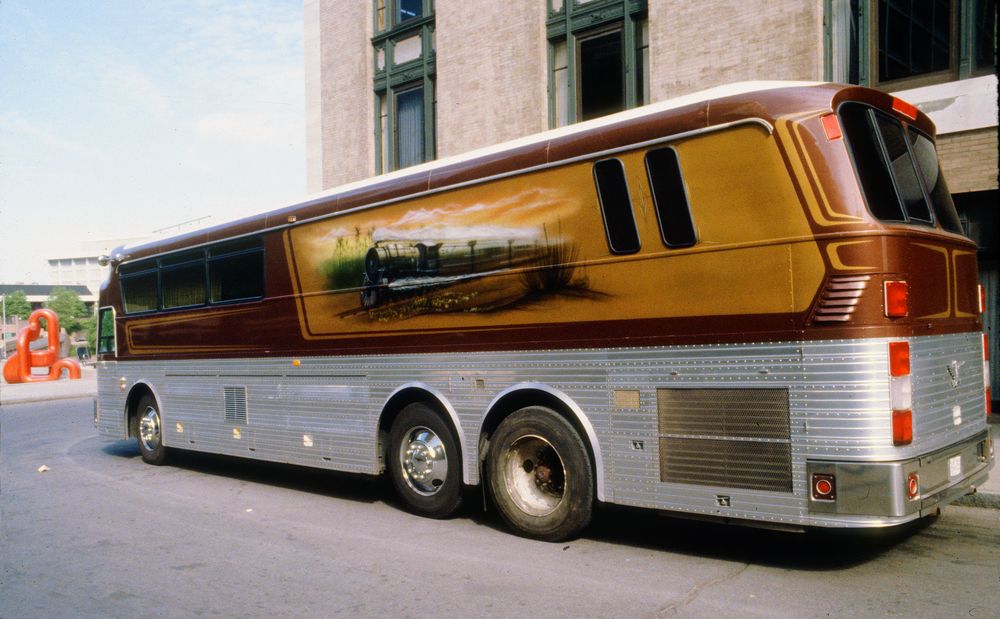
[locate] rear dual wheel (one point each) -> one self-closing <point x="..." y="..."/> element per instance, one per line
<point x="540" y="475"/>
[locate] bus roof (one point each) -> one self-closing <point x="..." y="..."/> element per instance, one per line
<point x="719" y="105"/>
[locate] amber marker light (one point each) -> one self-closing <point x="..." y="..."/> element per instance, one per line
<point x="897" y="299"/>
<point x="832" y="127"/>
<point x="906" y="109"/>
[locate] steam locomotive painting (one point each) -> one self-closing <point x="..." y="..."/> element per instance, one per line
<point x="451" y="275"/>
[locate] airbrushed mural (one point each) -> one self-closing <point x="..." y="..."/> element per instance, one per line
<point x="439" y="255"/>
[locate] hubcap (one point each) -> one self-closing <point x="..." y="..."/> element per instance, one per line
<point x="534" y="475"/>
<point x="424" y="460"/>
<point x="149" y="429"/>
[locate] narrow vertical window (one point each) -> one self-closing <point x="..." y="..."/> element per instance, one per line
<point x="409" y="127"/>
<point x="602" y="87"/>
<point x="616" y="206"/>
<point x="560" y="84"/>
<point x="670" y="198"/>
<point x="106" y="331"/>
<point x="598" y="58"/>
<point x="404" y="83"/>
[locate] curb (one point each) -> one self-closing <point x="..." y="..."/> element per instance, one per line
<point x="47" y="398"/>
<point x="989" y="500"/>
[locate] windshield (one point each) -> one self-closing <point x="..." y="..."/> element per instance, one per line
<point x="898" y="169"/>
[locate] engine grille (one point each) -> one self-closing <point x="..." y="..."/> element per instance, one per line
<point x="735" y="438"/>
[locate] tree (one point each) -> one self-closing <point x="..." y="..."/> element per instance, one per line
<point x="17" y="304"/>
<point x="70" y="309"/>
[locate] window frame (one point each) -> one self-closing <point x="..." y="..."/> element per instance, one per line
<point x="656" y="200"/>
<point x="392" y="79"/>
<point x="860" y="65"/>
<point x="604" y="211"/>
<point x="573" y="21"/>
<point x="114" y="331"/>
<point x="253" y="245"/>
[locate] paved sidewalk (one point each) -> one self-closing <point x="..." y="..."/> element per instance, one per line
<point x="64" y="388"/>
<point x="988" y="494"/>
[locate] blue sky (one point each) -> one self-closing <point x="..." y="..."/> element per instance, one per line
<point x="118" y="118"/>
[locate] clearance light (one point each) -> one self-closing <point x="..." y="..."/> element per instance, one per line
<point x="912" y="486"/>
<point x="832" y="127"/>
<point x="824" y="487"/>
<point x="982" y="299"/>
<point x="906" y="109"/>
<point x="900" y="393"/>
<point x="897" y="299"/>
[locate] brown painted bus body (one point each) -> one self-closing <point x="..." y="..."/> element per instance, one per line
<point x="780" y="223"/>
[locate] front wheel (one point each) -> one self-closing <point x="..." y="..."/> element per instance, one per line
<point x="424" y="462"/>
<point x="540" y="476"/>
<point x="148" y="430"/>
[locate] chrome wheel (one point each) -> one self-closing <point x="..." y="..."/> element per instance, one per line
<point x="534" y="475"/>
<point x="424" y="460"/>
<point x="149" y="429"/>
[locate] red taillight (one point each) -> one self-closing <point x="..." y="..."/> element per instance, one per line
<point x="897" y="299"/>
<point x="986" y="374"/>
<point x="982" y="299"/>
<point x="912" y="486"/>
<point x="899" y="359"/>
<point x="906" y="109"/>
<point x="824" y="487"/>
<point x="900" y="393"/>
<point x="902" y="427"/>
<point x="832" y="127"/>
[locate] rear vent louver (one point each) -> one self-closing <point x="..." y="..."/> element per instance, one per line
<point x="236" y="404"/>
<point x="733" y="438"/>
<point x="839" y="298"/>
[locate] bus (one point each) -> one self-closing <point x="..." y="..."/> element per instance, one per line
<point x="754" y="304"/>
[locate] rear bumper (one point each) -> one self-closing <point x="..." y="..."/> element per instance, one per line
<point x="879" y="489"/>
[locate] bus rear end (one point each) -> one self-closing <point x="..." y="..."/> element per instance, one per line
<point x="909" y="433"/>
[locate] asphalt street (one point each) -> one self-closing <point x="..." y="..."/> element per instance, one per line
<point x="101" y="534"/>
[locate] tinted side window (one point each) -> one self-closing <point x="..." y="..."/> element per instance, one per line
<point x="183" y="285"/>
<point x="871" y="166"/>
<point x="616" y="206"/>
<point x="937" y="188"/>
<point x="902" y="168"/>
<point x="236" y="271"/>
<point x="106" y="331"/>
<point x="140" y="287"/>
<point x="672" y="210"/>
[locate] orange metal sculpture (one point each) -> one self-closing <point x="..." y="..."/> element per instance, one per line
<point x="18" y="367"/>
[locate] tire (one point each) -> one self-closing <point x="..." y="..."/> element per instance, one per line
<point x="540" y="475"/>
<point x="425" y="463"/>
<point x="148" y="428"/>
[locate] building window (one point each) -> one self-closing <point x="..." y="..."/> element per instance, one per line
<point x="900" y="44"/>
<point x="598" y="58"/>
<point x="404" y="83"/>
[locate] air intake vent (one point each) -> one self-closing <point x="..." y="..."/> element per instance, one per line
<point x="839" y="298"/>
<point x="236" y="404"/>
<point x="734" y="438"/>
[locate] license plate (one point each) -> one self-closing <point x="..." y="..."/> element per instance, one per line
<point x="954" y="466"/>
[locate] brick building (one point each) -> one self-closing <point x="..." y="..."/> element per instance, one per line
<point x="391" y="83"/>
